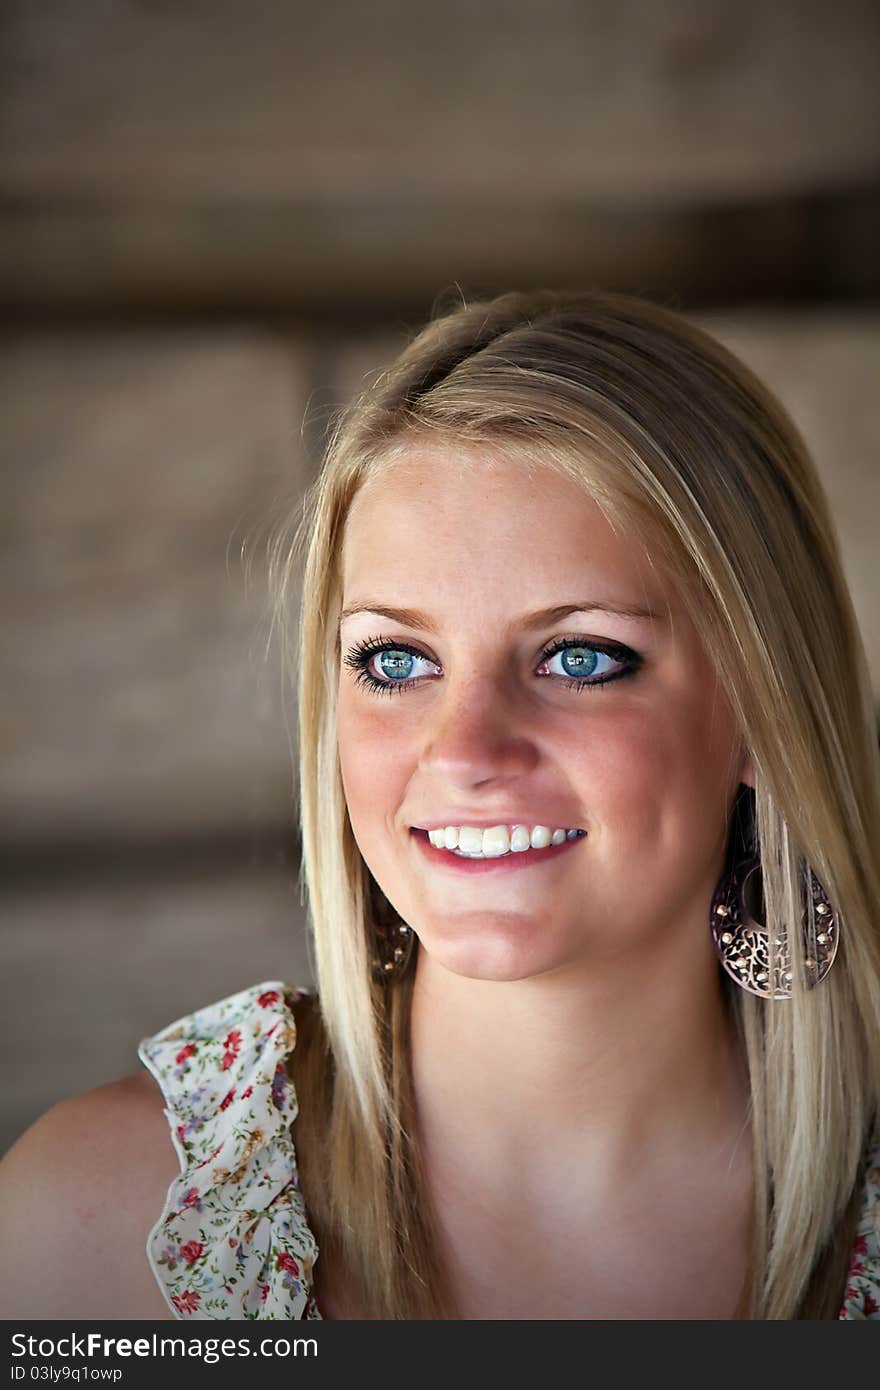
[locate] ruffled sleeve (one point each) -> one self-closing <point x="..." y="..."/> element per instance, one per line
<point x="862" y="1297"/>
<point x="233" y="1240"/>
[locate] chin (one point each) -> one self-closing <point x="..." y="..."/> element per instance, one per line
<point x="500" y="953"/>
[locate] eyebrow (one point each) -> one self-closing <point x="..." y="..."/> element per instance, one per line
<point x="414" y="618"/>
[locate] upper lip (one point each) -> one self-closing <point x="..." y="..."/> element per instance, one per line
<point x="480" y="823"/>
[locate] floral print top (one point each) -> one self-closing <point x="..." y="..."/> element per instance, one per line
<point x="233" y="1239"/>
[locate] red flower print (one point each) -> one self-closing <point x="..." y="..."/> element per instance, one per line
<point x="181" y="1132"/>
<point x="264" y="1291"/>
<point x="184" y="1053"/>
<point x="247" y="1093"/>
<point x="232" y="1043"/>
<point x="186" y="1302"/>
<point x="191" y="1251"/>
<point x="191" y="1197"/>
<point x="269" y="996"/>
<point x="227" y="1099"/>
<point x="860" y="1246"/>
<point x="213" y="1155"/>
<point x="869" y="1306"/>
<point x="287" y="1262"/>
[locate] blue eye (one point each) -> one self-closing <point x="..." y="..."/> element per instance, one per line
<point x="398" y="663"/>
<point x="384" y="667"/>
<point x="394" y="668"/>
<point x="581" y="662"/>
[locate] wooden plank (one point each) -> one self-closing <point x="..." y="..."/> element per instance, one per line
<point x="824" y="365"/>
<point x="138" y="697"/>
<point x="510" y="99"/>
<point x="356" y="263"/>
<point x="348" y="159"/>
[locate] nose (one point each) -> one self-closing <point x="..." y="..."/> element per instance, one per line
<point x="475" y="736"/>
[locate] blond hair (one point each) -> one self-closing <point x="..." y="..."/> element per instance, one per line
<point x="681" y="446"/>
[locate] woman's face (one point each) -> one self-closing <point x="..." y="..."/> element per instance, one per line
<point x="481" y="706"/>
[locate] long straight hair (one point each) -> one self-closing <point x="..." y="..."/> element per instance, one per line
<point x="685" y="451"/>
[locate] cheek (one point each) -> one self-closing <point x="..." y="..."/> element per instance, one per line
<point x="622" y="767"/>
<point x="643" y="770"/>
<point x="371" y="760"/>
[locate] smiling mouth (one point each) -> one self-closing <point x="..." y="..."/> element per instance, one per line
<point x="517" y="843"/>
<point x="452" y="857"/>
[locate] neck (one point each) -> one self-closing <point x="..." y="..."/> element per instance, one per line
<point x="632" y="1056"/>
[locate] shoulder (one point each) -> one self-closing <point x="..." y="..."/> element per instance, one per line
<point x="78" y="1194"/>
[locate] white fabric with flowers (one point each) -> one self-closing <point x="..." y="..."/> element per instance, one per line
<point x="233" y="1240"/>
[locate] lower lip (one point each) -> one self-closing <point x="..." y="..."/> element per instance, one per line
<point x="504" y="863"/>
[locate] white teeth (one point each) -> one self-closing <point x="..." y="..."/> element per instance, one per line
<point x="495" y="841"/>
<point x="519" y="839"/>
<point x="470" y="840"/>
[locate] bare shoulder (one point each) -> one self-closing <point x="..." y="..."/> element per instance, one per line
<point x="79" y="1193"/>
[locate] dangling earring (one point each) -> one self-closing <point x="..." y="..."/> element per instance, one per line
<point x="743" y="944"/>
<point x="393" y="949"/>
<point x="392" y="944"/>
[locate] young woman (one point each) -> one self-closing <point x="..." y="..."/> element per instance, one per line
<point x="590" y="807"/>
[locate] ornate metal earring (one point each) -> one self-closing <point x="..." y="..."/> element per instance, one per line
<point x="743" y="944"/>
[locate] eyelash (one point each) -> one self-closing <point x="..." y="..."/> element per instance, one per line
<point x="359" y="657"/>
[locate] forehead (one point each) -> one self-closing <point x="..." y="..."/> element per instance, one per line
<point x="440" y="513"/>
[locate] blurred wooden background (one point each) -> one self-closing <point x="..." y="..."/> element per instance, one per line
<point x="214" y="219"/>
